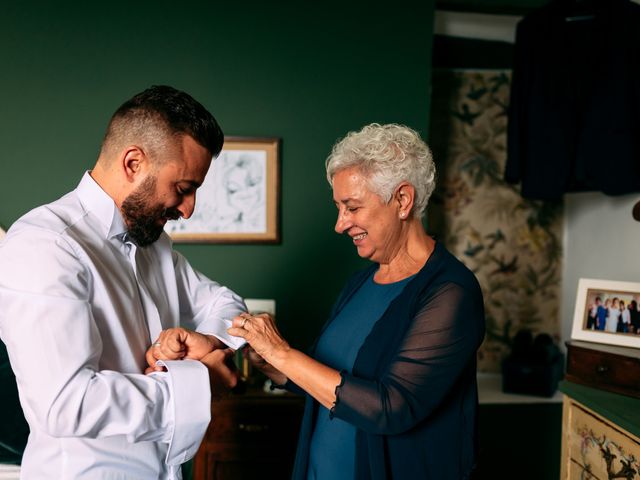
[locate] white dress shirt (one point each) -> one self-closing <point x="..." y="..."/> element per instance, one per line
<point x="79" y="306"/>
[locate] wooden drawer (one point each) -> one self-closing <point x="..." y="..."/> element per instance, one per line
<point x="607" y="369"/>
<point x="595" y="448"/>
<point x="250" y="436"/>
<point x="254" y="419"/>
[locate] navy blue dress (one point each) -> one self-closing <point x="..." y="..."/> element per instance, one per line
<point x="332" y="451"/>
<point x="411" y="394"/>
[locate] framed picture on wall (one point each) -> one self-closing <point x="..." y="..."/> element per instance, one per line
<point x="607" y="312"/>
<point x="239" y="199"/>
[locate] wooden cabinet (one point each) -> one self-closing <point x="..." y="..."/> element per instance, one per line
<point x="253" y="435"/>
<point x="599" y="435"/>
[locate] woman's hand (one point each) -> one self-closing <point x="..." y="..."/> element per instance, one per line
<point x="178" y="344"/>
<point x="284" y="362"/>
<point x="261" y="333"/>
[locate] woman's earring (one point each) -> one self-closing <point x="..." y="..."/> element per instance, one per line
<point x="402" y="214"/>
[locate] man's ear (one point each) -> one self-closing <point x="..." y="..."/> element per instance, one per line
<point x="404" y="197"/>
<point x="133" y="162"/>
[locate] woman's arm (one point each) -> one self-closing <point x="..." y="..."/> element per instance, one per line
<point x="437" y="349"/>
<point x="436" y="355"/>
<point x="317" y="379"/>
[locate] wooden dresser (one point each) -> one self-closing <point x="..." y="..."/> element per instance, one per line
<point x="600" y="434"/>
<point x="252" y="435"/>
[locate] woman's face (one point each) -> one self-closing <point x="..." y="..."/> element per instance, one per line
<point x="374" y="226"/>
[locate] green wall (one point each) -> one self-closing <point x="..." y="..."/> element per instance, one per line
<point x="305" y="72"/>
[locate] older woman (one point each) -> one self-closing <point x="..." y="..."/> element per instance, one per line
<point x="391" y="380"/>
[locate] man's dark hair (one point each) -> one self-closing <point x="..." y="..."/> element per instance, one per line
<point x="158" y="113"/>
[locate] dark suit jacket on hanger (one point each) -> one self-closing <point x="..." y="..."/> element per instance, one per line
<point x="575" y="100"/>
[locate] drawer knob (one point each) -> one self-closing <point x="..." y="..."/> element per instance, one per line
<point x="602" y="369"/>
<point x="253" y="427"/>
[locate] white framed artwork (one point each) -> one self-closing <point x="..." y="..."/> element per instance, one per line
<point x="608" y="312"/>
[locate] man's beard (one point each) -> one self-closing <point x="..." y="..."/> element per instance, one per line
<point x="141" y="217"/>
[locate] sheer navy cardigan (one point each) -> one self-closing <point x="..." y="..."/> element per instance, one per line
<point x="412" y="394"/>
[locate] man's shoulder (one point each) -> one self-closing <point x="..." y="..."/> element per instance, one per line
<point x="53" y="218"/>
<point x="38" y="242"/>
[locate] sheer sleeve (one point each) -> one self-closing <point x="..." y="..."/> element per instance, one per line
<point x="436" y="351"/>
<point x="290" y="387"/>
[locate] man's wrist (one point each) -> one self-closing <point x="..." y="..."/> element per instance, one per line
<point x="215" y="342"/>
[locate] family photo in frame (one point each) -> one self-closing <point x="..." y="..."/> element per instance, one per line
<point x="238" y="201"/>
<point x="608" y="312"/>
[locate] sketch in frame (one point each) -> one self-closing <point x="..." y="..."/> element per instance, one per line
<point x="238" y="200"/>
<point x="607" y="312"/>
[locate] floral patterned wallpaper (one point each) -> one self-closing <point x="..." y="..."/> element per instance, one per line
<point x="512" y="244"/>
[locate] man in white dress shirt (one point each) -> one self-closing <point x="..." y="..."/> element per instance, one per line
<point x="88" y="282"/>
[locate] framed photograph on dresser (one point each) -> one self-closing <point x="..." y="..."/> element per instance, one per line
<point x="608" y="312"/>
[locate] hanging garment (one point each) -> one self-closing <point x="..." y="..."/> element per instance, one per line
<point x="574" y="120"/>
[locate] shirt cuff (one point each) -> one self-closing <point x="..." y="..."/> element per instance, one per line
<point x="189" y="380"/>
<point x="219" y="330"/>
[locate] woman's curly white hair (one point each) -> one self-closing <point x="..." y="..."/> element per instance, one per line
<point x="387" y="155"/>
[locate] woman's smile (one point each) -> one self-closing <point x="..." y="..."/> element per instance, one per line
<point x="358" y="238"/>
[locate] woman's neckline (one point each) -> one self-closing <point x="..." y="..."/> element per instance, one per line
<point x="400" y="277"/>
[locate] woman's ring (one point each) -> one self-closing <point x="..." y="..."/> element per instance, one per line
<point x="156" y="344"/>
<point x="244" y="320"/>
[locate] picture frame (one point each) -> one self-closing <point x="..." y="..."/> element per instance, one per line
<point x="592" y="297"/>
<point x="239" y="199"/>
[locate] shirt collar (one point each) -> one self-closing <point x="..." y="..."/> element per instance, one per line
<point x="101" y="205"/>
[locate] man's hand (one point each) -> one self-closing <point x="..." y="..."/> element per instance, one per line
<point x="180" y="343"/>
<point x="223" y="374"/>
<point x="276" y="376"/>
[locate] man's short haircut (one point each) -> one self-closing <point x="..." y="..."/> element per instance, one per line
<point x="156" y="117"/>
